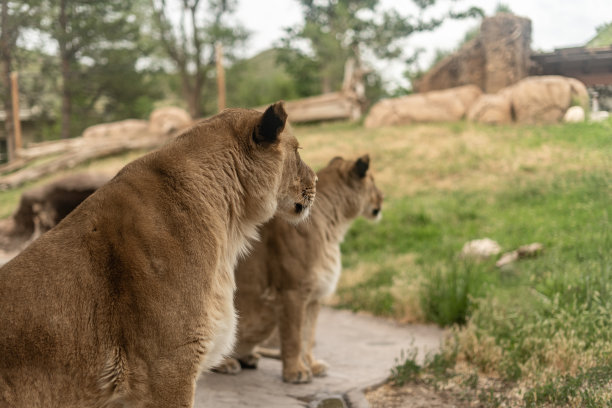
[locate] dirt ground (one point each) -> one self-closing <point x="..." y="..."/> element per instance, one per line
<point x="413" y="396"/>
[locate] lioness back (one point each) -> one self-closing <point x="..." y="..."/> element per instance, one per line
<point x="131" y="295"/>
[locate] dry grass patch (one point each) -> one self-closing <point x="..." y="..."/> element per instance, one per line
<point x="411" y="159"/>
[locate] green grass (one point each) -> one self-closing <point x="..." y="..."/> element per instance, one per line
<point x="584" y="386"/>
<point x="541" y="324"/>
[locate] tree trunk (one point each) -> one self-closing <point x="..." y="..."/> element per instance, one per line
<point x="326" y="84"/>
<point x="192" y="93"/>
<point x="66" y="98"/>
<point x="6" y="56"/>
<point x="65" y="61"/>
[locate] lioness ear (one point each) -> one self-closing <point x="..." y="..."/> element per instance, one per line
<point x="361" y="166"/>
<point x="270" y="125"/>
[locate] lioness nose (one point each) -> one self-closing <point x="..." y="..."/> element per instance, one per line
<point x="375" y="211"/>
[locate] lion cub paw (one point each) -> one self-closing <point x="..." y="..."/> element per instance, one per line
<point x="250" y="361"/>
<point x="301" y="375"/>
<point x="319" y="368"/>
<point x="228" y="366"/>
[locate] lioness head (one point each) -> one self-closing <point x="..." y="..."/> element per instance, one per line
<point x="298" y="187"/>
<point x="272" y="146"/>
<point x="366" y="199"/>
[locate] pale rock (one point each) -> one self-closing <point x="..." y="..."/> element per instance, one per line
<point x="480" y="248"/>
<point x="574" y="114"/>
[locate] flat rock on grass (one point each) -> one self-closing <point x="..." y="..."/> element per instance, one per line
<point x="360" y="350"/>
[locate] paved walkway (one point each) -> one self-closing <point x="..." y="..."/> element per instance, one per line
<point x="360" y="350"/>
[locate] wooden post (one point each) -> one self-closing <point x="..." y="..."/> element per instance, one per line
<point x="220" y="77"/>
<point x="16" y="119"/>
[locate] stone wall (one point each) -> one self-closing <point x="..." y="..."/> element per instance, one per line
<point x="496" y="58"/>
<point x="465" y="67"/>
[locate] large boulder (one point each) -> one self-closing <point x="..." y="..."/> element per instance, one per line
<point x="168" y="120"/>
<point x="491" y="109"/>
<point x="545" y="99"/>
<point x="437" y="106"/>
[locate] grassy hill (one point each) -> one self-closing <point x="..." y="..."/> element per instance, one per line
<point x="539" y="327"/>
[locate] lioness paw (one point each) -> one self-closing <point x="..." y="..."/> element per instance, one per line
<point x="301" y="375"/>
<point x="319" y="368"/>
<point x="250" y="361"/>
<point x="228" y="366"/>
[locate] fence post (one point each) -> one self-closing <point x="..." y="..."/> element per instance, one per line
<point x="16" y="119"/>
<point x="220" y="76"/>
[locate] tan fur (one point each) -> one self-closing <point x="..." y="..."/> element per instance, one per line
<point x="293" y="268"/>
<point x="127" y="299"/>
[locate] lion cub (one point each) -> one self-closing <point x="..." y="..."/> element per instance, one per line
<point x="130" y="297"/>
<point x="293" y="268"/>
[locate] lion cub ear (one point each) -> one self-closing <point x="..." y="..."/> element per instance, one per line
<point x="361" y="166"/>
<point x="334" y="160"/>
<point x="270" y="125"/>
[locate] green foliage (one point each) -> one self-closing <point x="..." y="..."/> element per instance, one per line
<point x="373" y="294"/>
<point x="503" y="8"/>
<point x="91" y="38"/>
<point x="438" y="365"/>
<point x="603" y="38"/>
<point x="538" y="320"/>
<point x="338" y="30"/>
<point x="259" y="81"/>
<point x="406" y="368"/>
<point x="184" y="34"/>
<point x="447" y="292"/>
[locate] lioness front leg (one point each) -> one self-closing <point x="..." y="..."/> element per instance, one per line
<point x="291" y="320"/>
<point x="172" y="384"/>
<point x="317" y="367"/>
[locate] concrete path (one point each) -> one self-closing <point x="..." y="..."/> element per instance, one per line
<point x="360" y="350"/>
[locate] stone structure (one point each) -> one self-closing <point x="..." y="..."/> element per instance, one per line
<point x="498" y="57"/>
<point x="492" y="109"/>
<point x="537" y="99"/>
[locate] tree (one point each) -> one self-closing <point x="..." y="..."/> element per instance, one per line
<point x="14" y="17"/>
<point x="336" y="30"/>
<point x="87" y="31"/>
<point x="190" y="42"/>
<point x="259" y="80"/>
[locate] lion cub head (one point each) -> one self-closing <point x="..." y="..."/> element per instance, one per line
<point x="365" y="198"/>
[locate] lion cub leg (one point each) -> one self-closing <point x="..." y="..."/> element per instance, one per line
<point x="291" y="319"/>
<point x="317" y="367"/>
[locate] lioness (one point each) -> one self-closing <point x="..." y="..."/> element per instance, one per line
<point x="130" y="297"/>
<point x="293" y="268"/>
